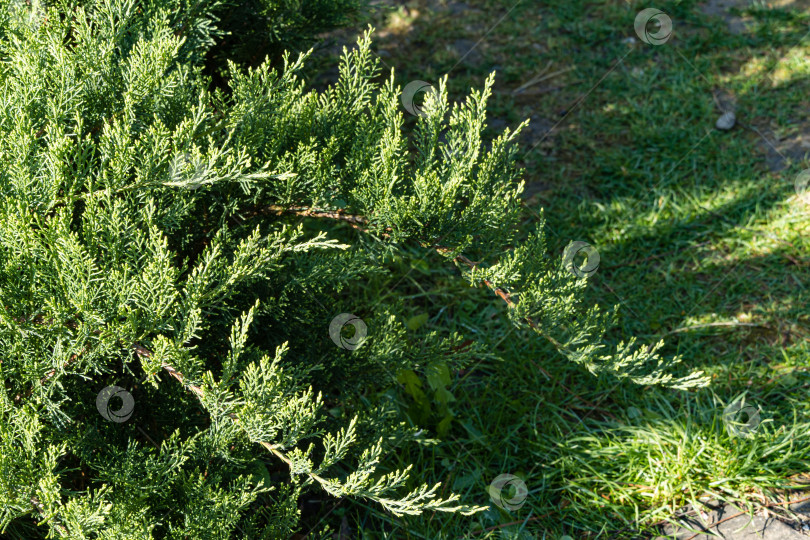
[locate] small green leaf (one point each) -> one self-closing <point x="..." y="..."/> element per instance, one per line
<point x="421" y="265"/>
<point x="444" y="396"/>
<point x="787" y="380"/>
<point x="417" y="321"/>
<point x="413" y="386"/>
<point x="261" y="474"/>
<point x="438" y="375"/>
<point x="444" y="426"/>
<point x="467" y="480"/>
<point x="408" y="378"/>
<point x="475" y="435"/>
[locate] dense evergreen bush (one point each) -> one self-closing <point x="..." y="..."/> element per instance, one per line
<point x="171" y="258"/>
<point x="250" y="30"/>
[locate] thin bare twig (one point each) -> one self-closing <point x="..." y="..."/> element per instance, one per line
<point x="354" y="220"/>
<point x="506" y="298"/>
<point x="41" y="510"/>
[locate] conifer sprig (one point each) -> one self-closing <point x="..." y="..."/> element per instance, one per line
<point x="364" y="482"/>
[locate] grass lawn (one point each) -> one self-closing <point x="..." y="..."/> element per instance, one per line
<point x="703" y="241"/>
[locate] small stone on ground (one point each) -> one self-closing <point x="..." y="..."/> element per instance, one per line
<point x="726" y="121"/>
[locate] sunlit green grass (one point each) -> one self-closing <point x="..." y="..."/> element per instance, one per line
<point x="702" y="240"/>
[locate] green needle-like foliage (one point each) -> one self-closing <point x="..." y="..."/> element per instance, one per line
<point x="192" y="245"/>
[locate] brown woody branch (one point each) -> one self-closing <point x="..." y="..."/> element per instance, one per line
<point x="356" y="221"/>
<point x="506" y="298"/>
<point x="142" y="351"/>
<point x="359" y="221"/>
